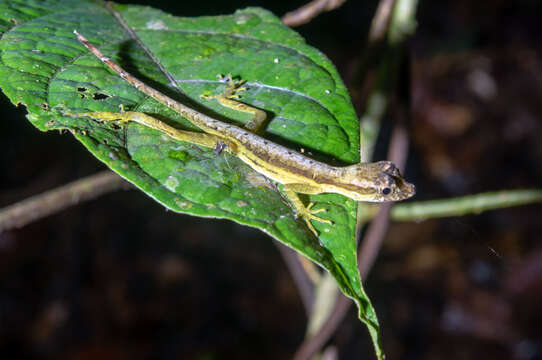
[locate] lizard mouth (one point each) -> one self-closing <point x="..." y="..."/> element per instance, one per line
<point x="407" y="190"/>
<point x="399" y="188"/>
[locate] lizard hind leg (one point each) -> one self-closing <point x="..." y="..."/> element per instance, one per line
<point x="102" y="116"/>
<point x="203" y="139"/>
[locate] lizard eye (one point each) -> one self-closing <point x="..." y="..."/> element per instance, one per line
<point x="386" y="191"/>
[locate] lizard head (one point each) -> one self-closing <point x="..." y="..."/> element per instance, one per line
<point x="377" y="182"/>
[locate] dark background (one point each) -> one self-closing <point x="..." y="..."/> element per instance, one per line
<point x="121" y="278"/>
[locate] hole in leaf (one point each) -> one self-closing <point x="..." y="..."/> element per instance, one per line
<point x="81" y="89"/>
<point x="99" y="96"/>
<point x="45" y="106"/>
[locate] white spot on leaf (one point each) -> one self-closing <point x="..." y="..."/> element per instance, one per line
<point x="156" y="25"/>
<point x="240" y="20"/>
<point x="171" y="183"/>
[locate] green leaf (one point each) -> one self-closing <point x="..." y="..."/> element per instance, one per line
<point x="44" y="68"/>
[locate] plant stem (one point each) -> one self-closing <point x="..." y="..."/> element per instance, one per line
<point x="53" y="201"/>
<point x="309" y="11"/>
<point x="470" y="204"/>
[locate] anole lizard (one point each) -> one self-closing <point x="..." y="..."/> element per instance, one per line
<point x="375" y="182"/>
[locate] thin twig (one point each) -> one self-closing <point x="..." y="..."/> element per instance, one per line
<point x="132" y="34"/>
<point x="53" y="201"/>
<point x="304" y="285"/>
<point x="312" y="345"/>
<point x="381" y="20"/>
<point x="365" y="72"/>
<point x="460" y="206"/>
<point x="309" y="11"/>
<point x="330" y="353"/>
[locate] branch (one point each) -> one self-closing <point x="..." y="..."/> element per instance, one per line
<point x="470" y="204"/>
<point x="305" y="288"/>
<point x="312" y="345"/>
<point x="309" y="11"/>
<point x="381" y="20"/>
<point x="53" y="201"/>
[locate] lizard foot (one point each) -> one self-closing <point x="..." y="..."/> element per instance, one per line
<point x="308" y="214"/>
<point x="231" y="91"/>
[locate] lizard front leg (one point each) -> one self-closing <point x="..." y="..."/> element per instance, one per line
<point x="229" y="99"/>
<point x="304" y="212"/>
